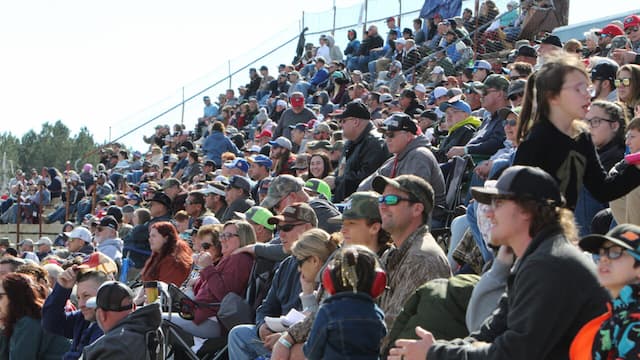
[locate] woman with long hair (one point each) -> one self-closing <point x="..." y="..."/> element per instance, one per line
<point x="628" y="85"/>
<point x="230" y="274"/>
<point x="558" y="141"/>
<point x="319" y="166"/>
<point x="170" y="259"/>
<point x="20" y="312"/>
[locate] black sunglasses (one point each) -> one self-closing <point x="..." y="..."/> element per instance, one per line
<point x="288" y="227"/>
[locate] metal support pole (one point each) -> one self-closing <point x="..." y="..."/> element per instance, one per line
<point x="333" y="29"/>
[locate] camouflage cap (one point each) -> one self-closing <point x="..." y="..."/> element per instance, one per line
<point x="281" y="186"/>
<point x="416" y="187"/>
<point x="258" y="215"/>
<point x="321" y="144"/>
<point x="360" y="205"/>
<point x="297" y="212"/>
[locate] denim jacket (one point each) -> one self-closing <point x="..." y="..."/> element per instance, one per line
<point x="347" y="325"/>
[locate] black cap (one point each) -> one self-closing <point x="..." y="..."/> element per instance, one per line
<point x="429" y="114"/>
<point x="355" y="109"/>
<point x="416" y="187"/>
<point x="552" y="40"/>
<point x="527" y="50"/>
<point x="240" y="182"/>
<point x="162" y="198"/>
<point x="109" y="221"/>
<point x="116" y="212"/>
<point x="111" y="296"/>
<point x="604" y="70"/>
<point x="522" y="182"/>
<point x="626" y="236"/>
<point x="399" y="122"/>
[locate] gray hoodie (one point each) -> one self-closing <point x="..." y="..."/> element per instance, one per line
<point x="112" y="248"/>
<point x="416" y="159"/>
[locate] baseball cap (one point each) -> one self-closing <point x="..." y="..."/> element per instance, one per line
<point x="418" y="189"/>
<point x="297" y="212"/>
<point x="281" y="186"/>
<point x="240" y="182"/>
<point x="522" y="182"/>
<point x="604" y="70"/>
<point x="437" y="70"/>
<point x="127" y="209"/>
<point x="516" y="87"/>
<point x="631" y="20"/>
<point x="109" y="221"/>
<point x="626" y="236"/>
<point x="552" y="40"/>
<point x="258" y="215"/>
<point x="319" y="186"/>
<point x="474" y="86"/>
<point x="297" y="101"/>
<point x="44" y="241"/>
<point x="360" y="205"/>
<point x="238" y="163"/>
<point x="171" y="182"/>
<point x="400" y="41"/>
<point x="281" y="142"/>
<point x="211" y="189"/>
<point x="116" y="211"/>
<point x="300" y="163"/>
<point x="457" y="104"/>
<point x="261" y="160"/>
<point x="482" y="64"/>
<point x="355" y="109"/>
<point x="320" y="144"/>
<point x="420" y="88"/>
<point x="611" y="30"/>
<point x="494" y="81"/>
<point x="162" y="198"/>
<point x="264" y="133"/>
<point x="429" y="114"/>
<point x="29" y="242"/>
<point x="527" y="50"/>
<point x="322" y="127"/>
<point x="299" y="126"/>
<point x="79" y="232"/>
<point x="440" y="91"/>
<point x="264" y="185"/>
<point x="399" y="122"/>
<point x="111" y="296"/>
<point x="386" y="98"/>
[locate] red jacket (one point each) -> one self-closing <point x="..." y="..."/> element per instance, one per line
<point x="231" y="274"/>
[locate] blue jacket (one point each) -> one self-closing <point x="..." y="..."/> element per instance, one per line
<point x="489" y="137"/>
<point x="284" y="292"/>
<point x="71" y="325"/>
<point x="347" y="326"/>
<point x="216" y="144"/>
<point x="320" y="78"/>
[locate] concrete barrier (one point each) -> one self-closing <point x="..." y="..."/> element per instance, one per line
<point x="29" y="231"/>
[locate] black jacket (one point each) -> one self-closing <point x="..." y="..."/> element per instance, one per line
<point x="551" y="293"/>
<point x="362" y="157"/>
<point x="459" y="137"/>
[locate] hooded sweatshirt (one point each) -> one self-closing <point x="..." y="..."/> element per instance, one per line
<point x="112" y="248"/>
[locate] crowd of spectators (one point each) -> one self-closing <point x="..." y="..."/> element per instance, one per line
<point x="332" y="193"/>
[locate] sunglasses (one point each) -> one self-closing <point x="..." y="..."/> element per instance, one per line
<point x="509" y="122"/>
<point x="287" y="227"/>
<point x="631" y="29"/>
<point x="624" y="82"/>
<point x="514" y="96"/>
<point x="302" y="261"/>
<point x="392" y="200"/>
<point x="604" y="35"/>
<point x="612" y="252"/>
<point x="389" y="135"/>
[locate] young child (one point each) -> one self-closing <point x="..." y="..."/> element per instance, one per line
<point x="615" y="334"/>
<point x="349" y="323"/>
<point x="626" y="209"/>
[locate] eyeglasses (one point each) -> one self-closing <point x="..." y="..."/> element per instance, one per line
<point x="226" y="235"/>
<point x="392" y="200"/>
<point x="622" y="82"/>
<point x="511" y="122"/>
<point x="206" y="246"/>
<point x="612" y="252"/>
<point x="513" y="97"/>
<point x="629" y="30"/>
<point x="288" y="227"/>
<point x="595" y="122"/>
<point x="302" y="261"/>
<point x="389" y="134"/>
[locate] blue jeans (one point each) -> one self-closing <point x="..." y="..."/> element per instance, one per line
<point x="586" y="208"/>
<point x="472" y="219"/>
<point x="244" y="343"/>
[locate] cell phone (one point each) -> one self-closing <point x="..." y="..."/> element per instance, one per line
<point x="632" y="159"/>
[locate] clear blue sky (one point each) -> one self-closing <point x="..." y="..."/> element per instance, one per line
<point x="116" y="64"/>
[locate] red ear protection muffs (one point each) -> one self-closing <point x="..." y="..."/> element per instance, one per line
<point x="377" y="287"/>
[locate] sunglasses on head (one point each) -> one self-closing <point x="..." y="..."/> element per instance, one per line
<point x="624" y="82"/>
<point x="288" y="227"/>
<point x="391" y="200"/>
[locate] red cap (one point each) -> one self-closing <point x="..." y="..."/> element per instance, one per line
<point x="297" y="101"/>
<point x="611" y="30"/>
<point x="264" y="133"/>
<point x="631" y="20"/>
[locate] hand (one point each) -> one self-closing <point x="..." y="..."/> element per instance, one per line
<point x="68" y="278"/>
<point x="455" y="151"/>
<point x="271" y="340"/>
<point x="482" y="170"/>
<point x="412" y="349"/>
<point x="623" y="56"/>
<point x="280" y="352"/>
<point x="249" y="249"/>
<point x="264" y="332"/>
<point x="505" y="255"/>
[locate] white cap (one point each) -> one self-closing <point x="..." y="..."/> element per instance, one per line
<point x="437" y="70"/>
<point x="439" y="92"/>
<point x="420" y="88"/>
<point x="80" y="233"/>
